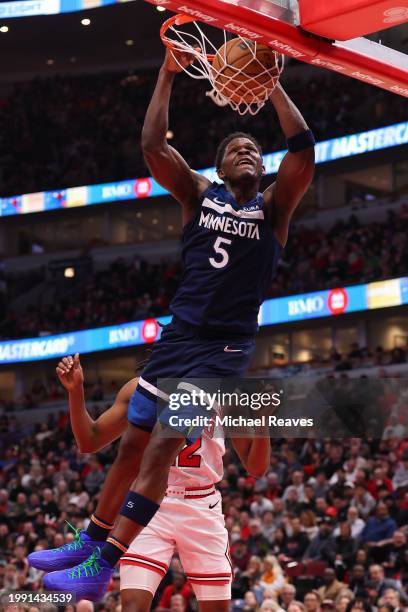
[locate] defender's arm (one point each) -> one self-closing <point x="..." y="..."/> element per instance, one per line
<point x="92" y="435"/>
<point x="165" y="163"/>
<point x="297" y="168"/>
<point x="97" y="434"/>
<point x="254" y="453"/>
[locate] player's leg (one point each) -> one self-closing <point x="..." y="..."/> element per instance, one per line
<point x="120" y="476"/>
<point x="147" y="491"/>
<point x="203" y="548"/>
<point x="135" y="600"/>
<point x="118" y="480"/>
<point x="91" y="577"/>
<point x="142" y="417"/>
<point x="146" y="563"/>
<point x="222" y="605"/>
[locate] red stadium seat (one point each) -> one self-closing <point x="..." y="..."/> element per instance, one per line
<point x="314" y="568"/>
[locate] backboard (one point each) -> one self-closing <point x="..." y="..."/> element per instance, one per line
<point x="278" y="24"/>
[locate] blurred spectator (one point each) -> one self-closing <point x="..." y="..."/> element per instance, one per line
<point x="94" y="476"/>
<point x="379" y="528"/>
<point x="357" y="582"/>
<point x="257" y="543"/>
<point x="270" y="605"/>
<point x="296" y="543"/>
<point x="395" y="554"/>
<point x="391" y="597"/>
<point x="312" y="601"/>
<point x="178" y="603"/>
<point x="363" y="501"/>
<point x="296" y="606"/>
<point x="179" y="586"/>
<point x="380" y="583"/>
<point x="261" y="503"/>
<point x="332" y="587"/>
<point x="240" y="555"/>
<point x="400" y="480"/>
<point x="287" y="596"/>
<point x="272" y="576"/>
<point x="355" y="522"/>
<point x="344" y="545"/>
<point x="343" y="599"/>
<point x="322" y="547"/>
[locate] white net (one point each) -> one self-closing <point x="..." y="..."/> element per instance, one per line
<point x="245" y="88"/>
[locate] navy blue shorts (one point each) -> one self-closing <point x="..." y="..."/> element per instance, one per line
<point x="185" y="352"/>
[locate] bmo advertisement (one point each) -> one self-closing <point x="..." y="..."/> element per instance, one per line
<point x="333" y="302"/>
<point x="313" y="305"/>
<point x="338" y="301"/>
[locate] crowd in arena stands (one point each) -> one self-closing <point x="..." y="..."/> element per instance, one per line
<point x="45" y="391"/>
<point x="66" y="131"/>
<point x="314" y="258"/>
<point x="349" y="252"/>
<point x="124" y="292"/>
<point x="325" y="530"/>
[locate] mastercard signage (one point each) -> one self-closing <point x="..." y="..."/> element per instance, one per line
<point x="319" y="304"/>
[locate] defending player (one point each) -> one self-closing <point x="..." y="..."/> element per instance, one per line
<point x="190" y="518"/>
<point x="232" y="238"/>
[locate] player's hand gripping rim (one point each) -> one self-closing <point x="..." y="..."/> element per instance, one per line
<point x="177" y="61"/>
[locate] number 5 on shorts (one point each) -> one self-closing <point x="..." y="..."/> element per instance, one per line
<point x="221" y="263"/>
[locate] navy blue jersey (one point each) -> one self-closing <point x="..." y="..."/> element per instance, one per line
<point x="229" y="254"/>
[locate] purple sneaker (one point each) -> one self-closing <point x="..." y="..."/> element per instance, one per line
<point x="65" y="556"/>
<point x="88" y="580"/>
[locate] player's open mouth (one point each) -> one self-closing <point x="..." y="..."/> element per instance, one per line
<point x="245" y="162"/>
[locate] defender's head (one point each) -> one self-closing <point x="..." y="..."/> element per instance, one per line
<point x="239" y="157"/>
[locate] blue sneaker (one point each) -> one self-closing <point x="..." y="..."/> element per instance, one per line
<point x="88" y="580"/>
<point x="65" y="556"/>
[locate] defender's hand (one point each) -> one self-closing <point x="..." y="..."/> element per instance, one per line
<point x="184" y="61"/>
<point x="69" y="372"/>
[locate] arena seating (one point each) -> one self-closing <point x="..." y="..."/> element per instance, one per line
<point x="315" y="258"/>
<point x="329" y="505"/>
<point x="83" y="130"/>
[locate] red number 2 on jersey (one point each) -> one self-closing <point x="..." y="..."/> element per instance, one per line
<point x="187" y="458"/>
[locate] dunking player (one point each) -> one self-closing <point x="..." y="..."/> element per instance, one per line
<point x="190" y="518"/>
<point x="232" y="238"/>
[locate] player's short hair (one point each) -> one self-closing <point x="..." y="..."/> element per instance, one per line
<point x="222" y="147"/>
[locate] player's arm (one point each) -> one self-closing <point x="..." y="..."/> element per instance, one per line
<point x="92" y="435"/>
<point x="254" y="453"/>
<point x="165" y="163"/>
<point x="297" y="168"/>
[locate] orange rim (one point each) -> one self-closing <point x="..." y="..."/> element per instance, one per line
<point x="177" y="20"/>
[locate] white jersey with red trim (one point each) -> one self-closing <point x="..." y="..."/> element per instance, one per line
<point x="199" y="463"/>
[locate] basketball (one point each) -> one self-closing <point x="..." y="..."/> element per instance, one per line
<point x="244" y="70"/>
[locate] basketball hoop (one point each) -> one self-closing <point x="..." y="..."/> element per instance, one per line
<point x="244" y="93"/>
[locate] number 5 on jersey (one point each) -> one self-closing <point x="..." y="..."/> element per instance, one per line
<point x="222" y="254"/>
